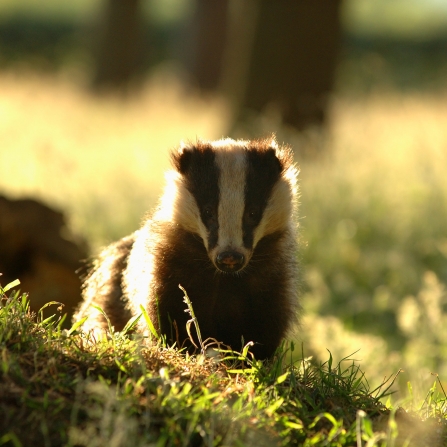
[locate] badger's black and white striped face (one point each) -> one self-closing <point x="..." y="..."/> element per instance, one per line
<point x="232" y="193"/>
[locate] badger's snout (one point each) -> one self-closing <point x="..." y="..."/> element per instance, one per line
<point x="230" y="261"/>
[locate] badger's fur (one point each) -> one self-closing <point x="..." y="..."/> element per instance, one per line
<point x="225" y="231"/>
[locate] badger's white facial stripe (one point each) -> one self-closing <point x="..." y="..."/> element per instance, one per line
<point x="231" y="163"/>
<point x="178" y="205"/>
<point x="187" y="214"/>
<point x="277" y="212"/>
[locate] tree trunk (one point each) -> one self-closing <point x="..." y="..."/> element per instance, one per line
<point x="209" y="34"/>
<point x="293" y="59"/>
<point x="119" y="45"/>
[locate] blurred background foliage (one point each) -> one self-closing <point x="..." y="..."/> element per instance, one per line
<point x="92" y="94"/>
<point x="380" y="39"/>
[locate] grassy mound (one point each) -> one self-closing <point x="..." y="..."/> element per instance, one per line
<point x="62" y="388"/>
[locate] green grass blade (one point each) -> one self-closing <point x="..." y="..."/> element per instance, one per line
<point x="11" y="285"/>
<point x="149" y="323"/>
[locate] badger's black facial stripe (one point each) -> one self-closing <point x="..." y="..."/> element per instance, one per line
<point x="202" y="180"/>
<point x="263" y="171"/>
<point x="246" y="176"/>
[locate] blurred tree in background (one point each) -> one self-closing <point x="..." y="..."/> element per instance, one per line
<point x="282" y="53"/>
<point x="261" y="53"/>
<point x="265" y="53"/>
<point x="118" y="44"/>
<point x="209" y="28"/>
<point x="292" y="60"/>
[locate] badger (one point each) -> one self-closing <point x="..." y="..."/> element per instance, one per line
<point x="225" y="230"/>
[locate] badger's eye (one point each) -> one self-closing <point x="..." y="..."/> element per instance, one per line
<point x="208" y="214"/>
<point x="252" y="214"/>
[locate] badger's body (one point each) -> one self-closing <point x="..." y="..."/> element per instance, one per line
<point x="225" y="231"/>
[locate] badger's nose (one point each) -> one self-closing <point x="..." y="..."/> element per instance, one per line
<point x="230" y="261"/>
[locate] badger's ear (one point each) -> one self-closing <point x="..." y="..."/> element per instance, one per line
<point x="181" y="158"/>
<point x="271" y="158"/>
<point x="284" y="155"/>
<point x="192" y="156"/>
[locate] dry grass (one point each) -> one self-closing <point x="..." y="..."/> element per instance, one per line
<point x="96" y="155"/>
<point x="374" y="213"/>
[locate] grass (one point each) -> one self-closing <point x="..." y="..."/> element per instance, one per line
<point x="373" y="201"/>
<point x="374" y="221"/>
<point x="60" y="388"/>
<point x="74" y="144"/>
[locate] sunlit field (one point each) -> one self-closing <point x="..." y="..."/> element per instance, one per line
<point x="374" y="214"/>
<point x="373" y="200"/>
<point x="101" y="159"/>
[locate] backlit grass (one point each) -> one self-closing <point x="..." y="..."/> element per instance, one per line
<point x="62" y="388"/>
<point x="373" y="200"/>
<point x="100" y="158"/>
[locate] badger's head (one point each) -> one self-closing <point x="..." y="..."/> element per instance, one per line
<point x="232" y="194"/>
